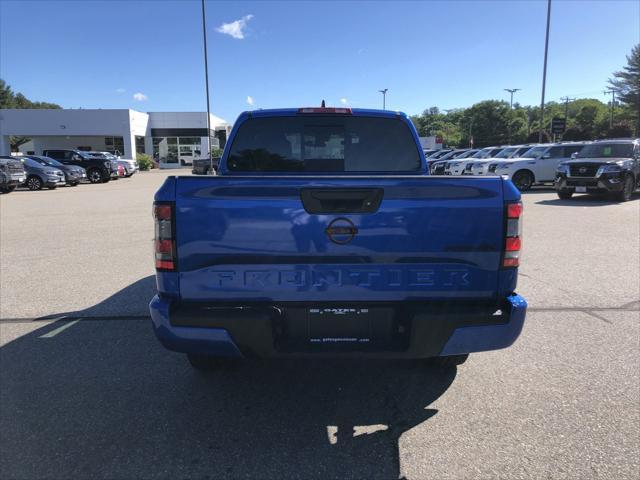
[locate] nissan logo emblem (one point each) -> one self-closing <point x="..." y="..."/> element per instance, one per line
<point x="341" y="231"/>
<point x="582" y="170"/>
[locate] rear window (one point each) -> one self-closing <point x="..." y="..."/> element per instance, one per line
<point x="324" y="144"/>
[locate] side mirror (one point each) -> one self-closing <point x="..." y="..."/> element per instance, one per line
<point x="574" y="155"/>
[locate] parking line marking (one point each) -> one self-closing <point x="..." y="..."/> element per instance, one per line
<point x="60" y="329"/>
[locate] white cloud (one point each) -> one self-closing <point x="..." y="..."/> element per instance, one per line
<point x="140" y="97"/>
<point x="235" y="29"/>
<point x="250" y="100"/>
<point x="344" y="101"/>
<point x="120" y="90"/>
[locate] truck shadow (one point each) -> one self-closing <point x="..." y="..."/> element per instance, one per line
<point x="132" y="301"/>
<point x="103" y="399"/>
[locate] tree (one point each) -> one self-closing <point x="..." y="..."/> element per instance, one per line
<point x="6" y="95"/>
<point x="626" y="83"/>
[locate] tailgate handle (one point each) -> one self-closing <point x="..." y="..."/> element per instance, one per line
<point x="341" y="200"/>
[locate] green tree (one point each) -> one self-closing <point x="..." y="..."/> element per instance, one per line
<point x="626" y="83"/>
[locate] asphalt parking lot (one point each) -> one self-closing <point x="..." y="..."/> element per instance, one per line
<point x="96" y="396"/>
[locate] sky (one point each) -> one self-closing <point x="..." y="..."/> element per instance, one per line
<point x="148" y="55"/>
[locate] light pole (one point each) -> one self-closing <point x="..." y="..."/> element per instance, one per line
<point x="384" y="97"/>
<point x="544" y="71"/>
<point x="512" y="91"/>
<point x="613" y="104"/>
<point x="206" y="79"/>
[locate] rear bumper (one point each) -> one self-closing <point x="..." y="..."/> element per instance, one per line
<point x="265" y="330"/>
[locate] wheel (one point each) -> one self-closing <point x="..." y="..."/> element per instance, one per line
<point x="450" y="361"/>
<point x="206" y="363"/>
<point x="182" y="163"/>
<point x="8" y="189"/>
<point x="94" y="175"/>
<point x="75" y="184"/>
<point x="565" y="194"/>
<point x="627" y="190"/>
<point x="523" y="180"/>
<point x="34" y="183"/>
<point x="52" y="187"/>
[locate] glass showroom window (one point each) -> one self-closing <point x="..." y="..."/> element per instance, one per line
<point x="165" y="149"/>
<point x="139" y="144"/>
<point x="114" y="145"/>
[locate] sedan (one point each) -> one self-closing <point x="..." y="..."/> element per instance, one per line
<point x="73" y="174"/>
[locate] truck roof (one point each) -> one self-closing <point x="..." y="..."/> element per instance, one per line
<point x="361" y="112"/>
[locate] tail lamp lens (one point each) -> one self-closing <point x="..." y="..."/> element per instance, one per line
<point x="164" y="243"/>
<point x="513" y="235"/>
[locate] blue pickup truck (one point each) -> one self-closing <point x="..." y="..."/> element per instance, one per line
<point x="324" y="234"/>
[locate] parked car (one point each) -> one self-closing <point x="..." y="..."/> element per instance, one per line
<point x="458" y="166"/>
<point x="429" y="152"/>
<point x="537" y="165"/>
<point x="438" y="167"/>
<point x="12" y="173"/>
<point x="202" y="166"/>
<point x="130" y="166"/>
<point x="98" y="169"/>
<point x="602" y="167"/>
<point x="481" y="167"/>
<point x="39" y="175"/>
<point x="117" y="171"/>
<point x="439" y="154"/>
<point x="287" y="252"/>
<point x="73" y="174"/>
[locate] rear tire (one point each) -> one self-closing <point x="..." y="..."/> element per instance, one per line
<point x="206" y="363"/>
<point x="627" y="190"/>
<point x="565" y="194"/>
<point x="450" y="360"/>
<point x="523" y="180"/>
<point x="34" y="183"/>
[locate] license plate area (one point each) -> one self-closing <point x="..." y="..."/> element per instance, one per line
<point x="342" y="328"/>
<point x="581" y="189"/>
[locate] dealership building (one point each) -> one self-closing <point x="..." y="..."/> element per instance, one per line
<point x="173" y="139"/>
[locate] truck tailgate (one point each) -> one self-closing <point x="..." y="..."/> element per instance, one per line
<point x="413" y="237"/>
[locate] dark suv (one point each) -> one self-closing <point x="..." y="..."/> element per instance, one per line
<point x="604" y="166"/>
<point x="98" y="169"/>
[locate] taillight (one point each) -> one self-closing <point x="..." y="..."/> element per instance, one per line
<point x="344" y="111"/>
<point x="513" y="235"/>
<point x="164" y="242"/>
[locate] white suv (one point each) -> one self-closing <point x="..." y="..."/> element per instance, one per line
<point x="537" y="165"/>
<point x="462" y="167"/>
<point x="481" y="167"/>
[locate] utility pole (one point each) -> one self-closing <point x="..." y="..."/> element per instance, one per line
<point x="384" y="97"/>
<point x="470" y="133"/>
<point x="544" y="71"/>
<point x="206" y="79"/>
<point x="512" y="91"/>
<point x="566" y="106"/>
<point x="613" y="104"/>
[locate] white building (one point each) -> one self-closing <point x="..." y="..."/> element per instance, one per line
<point x="171" y="138"/>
